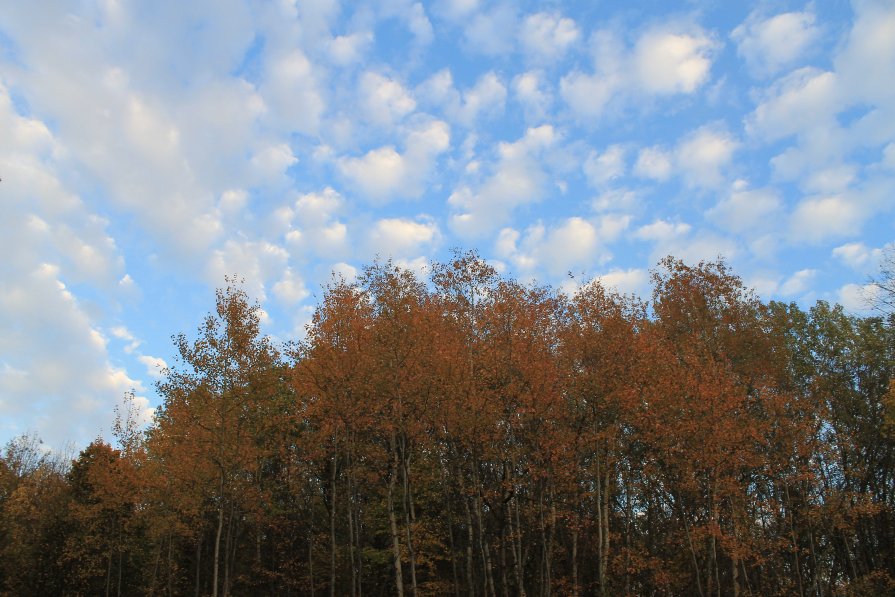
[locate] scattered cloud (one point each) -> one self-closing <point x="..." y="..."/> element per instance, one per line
<point x="770" y="44"/>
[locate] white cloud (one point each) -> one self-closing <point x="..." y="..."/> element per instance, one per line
<point x="570" y="244"/>
<point x="770" y="44"/>
<point x="662" y="230"/>
<point x="700" y="158"/>
<point x="270" y="163"/>
<point x="747" y="210"/>
<point x="315" y="227"/>
<point x="601" y="168"/>
<point x="856" y="297"/>
<point x="456" y="9"/>
<point x="351" y="48"/>
<point x="55" y="372"/>
<point x="819" y="219"/>
<point x="703" y="154"/>
<point x="384" y="100"/>
<point x="630" y="281"/>
<point x="419" y="25"/>
<point x="383" y="174"/>
<point x="400" y="238"/>
<point x="667" y="63"/>
<point x="255" y="261"/>
<point x="155" y="366"/>
<point x="292" y="91"/>
<point x="546" y="37"/>
<point x="653" y="162"/>
<point x="800" y="101"/>
<point x="615" y="199"/>
<point x="858" y="256"/>
<point x="529" y="88"/>
<point x="486" y="98"/>
<point x="517" y="179"/>
<point x="662" y="62"/>
<point x="798" y="283"/>
<point x="492" y="33"/>
<point x="290" y="289"/>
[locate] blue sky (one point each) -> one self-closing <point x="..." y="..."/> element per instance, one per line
<point x="148" y="149"/>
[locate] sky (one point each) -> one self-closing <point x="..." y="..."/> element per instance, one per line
<point x="148" y="149"/>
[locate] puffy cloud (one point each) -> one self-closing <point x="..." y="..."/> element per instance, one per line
<point x="653" y="162"/>
<point x="662" y="230"/>
<point x="315" y="227"/>
<point x="799" y="101"/>
<point x="292" y="91"/>
<point x="630" y="281"/>
<point x="55" y="371"/>
<point x="699" y="158"/>
<point x="383" y="174"/>
<point x="351" y="48"/>
<point x="517" y="179"/>
<point x="667" y="63"/>
<point x="492" y="33"/>
<point x="155" y="366"/>
<point x="401" y="238"/>
<point x="456" y="9"/>
<point x="857" y="297"/>
<point x="601" y="168"/>
<point x="385" y="101"/>
<point x="290" y="289"/>
<point x="485" y="98"/>
<point x="257" y="261"/>
<point x="702" y="155"/>
<point x="663" y="61"/>
<point x="746" y="210"/>
<point x="530" y="92"/>
<point x="771" y="44"/>
<point x="818" y="219"/>
<point x="546" y="37"/>
<point x="858" y="256"/>
<point x="571" y="243"/>
<point x="798" y="283"/>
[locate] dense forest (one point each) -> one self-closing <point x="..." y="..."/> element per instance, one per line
<point x="473" y="435"/>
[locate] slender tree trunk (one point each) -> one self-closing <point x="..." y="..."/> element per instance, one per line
<point x="515" y="548"/>
<point x="409" y="514"/>
<point x="575" y="589"/>
<point x="228" y="540"/>
<point x="483" y="540"/>
<point x="795" y="544"/>
<point x="392" y="519"/>
<point x="692" y="551"/>
<point x="198" y="563"/>
<point x="601" y="572"/>
<point x="523" y="556"/>
<point x="109" y="573"/>
<point x="332" y="522"/>
<point x="311" y="561"/>
<point x="551" y="537"/>
<point x="217" y="549"/>
<point x="450" y="521"/>
<point x="120" y="553"/>
<point x="469" y="541"/>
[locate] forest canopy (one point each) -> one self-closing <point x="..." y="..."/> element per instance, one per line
<point x="472" y="435"/>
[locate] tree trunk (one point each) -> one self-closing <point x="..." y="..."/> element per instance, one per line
<point x="332" y="523"/>
<point x="392" y="519"/>
<point x="217" y="549"/>
<point x="409" y="514"/>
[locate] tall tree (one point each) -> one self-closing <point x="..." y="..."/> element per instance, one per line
<point x="208" y="426"/>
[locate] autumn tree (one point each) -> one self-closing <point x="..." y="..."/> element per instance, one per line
<point x="207" y="432"/>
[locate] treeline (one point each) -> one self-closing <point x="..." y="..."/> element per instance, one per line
<point x="472" y="435"/>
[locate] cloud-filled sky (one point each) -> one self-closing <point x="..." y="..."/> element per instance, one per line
<point x="148" y="149"/>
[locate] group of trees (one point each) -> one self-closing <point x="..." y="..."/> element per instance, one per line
<point x="471" y="435"/>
